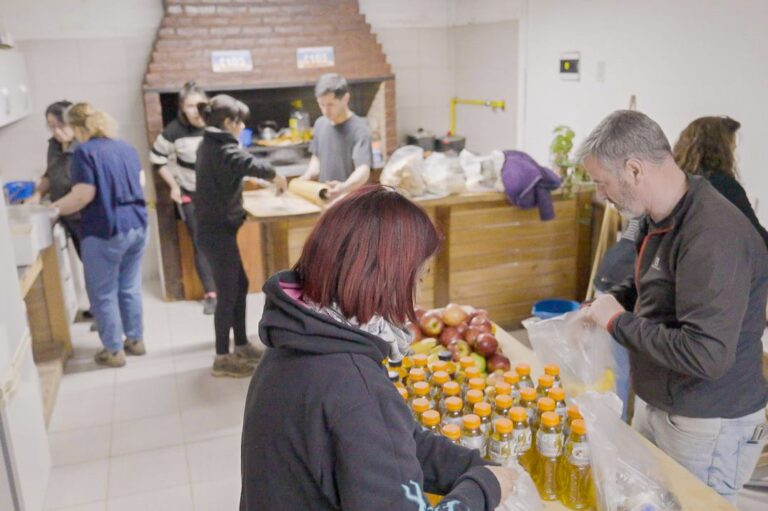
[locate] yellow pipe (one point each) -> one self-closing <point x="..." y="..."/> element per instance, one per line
<point x="495" y="104"/>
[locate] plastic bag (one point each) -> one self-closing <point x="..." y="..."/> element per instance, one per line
<point x="525" y="496"/>
<point x="482" y="172"/>
<point x="581" y="349"/>
<point x="626" y="474"/>
<point x="443" y="175"/>
<point x="404" y="170"/>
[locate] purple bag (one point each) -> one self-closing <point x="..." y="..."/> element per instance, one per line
<point x="527" y="184"/>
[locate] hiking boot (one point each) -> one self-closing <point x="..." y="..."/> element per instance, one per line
<point x="209" y="305"/>
<point x="109" y="359"/>
<point x="134" y="347"/>
<point x="232" y="366"/>
<point x="248" y="352"/>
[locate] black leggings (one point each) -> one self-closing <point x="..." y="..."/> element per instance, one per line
<point x="218" y="243"/>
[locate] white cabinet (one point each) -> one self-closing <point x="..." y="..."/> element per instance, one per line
<point x="15" y="98"/>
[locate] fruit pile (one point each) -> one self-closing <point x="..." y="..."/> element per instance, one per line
<point x="462" y="331"/>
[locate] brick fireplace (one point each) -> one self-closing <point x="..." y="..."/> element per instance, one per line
<point x="272" y="32"/>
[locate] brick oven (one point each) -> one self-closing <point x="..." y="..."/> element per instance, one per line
<point x="291" y="43"/>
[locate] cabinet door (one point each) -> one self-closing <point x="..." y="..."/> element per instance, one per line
<point x="15" y="99"/>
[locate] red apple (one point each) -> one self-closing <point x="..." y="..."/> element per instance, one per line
<point x="448" y="335"/>
<point x="416" y="335"/>
<point x="471" y="334"/>
<point x="431" y="324"/>
<point x="454" y="314"/>
<point x="497" y="362"/>
<point x="459" y="349"/>
<point x="419" y="312"/>
<point x="482" y="323"/>
<point x="486" y="345"/>
<point x="479" y="313"/>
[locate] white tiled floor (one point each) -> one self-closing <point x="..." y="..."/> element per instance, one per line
<point x="158" y="434"/>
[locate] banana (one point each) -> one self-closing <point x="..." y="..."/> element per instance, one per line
<point x="424" y="346"/>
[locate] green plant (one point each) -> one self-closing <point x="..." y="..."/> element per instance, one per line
<point x="560" y="150"/>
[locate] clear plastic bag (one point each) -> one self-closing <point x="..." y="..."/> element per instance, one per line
<point x="525" y="496"/>
<point x="482" y="172"/>
<point x="404" y="171"/>
<point x="443" y="175"/>
<point x="626" y="474"/>
<point x="581" y="349"/>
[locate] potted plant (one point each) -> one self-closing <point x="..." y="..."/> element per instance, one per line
<point x="560" y="150"/>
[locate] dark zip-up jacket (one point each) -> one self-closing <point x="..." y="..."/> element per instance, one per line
<point x="325" y="429"/>
<point x="697" y="303"/>
<point x="221" y="166"/>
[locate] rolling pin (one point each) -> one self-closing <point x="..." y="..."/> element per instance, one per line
<point x="313" y="191"/>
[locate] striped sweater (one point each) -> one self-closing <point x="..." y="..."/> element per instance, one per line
<point x="176" y="148"/>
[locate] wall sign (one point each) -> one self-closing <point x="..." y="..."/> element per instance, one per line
<point x="569" y="66"/>
<point x="315" y="56"/>
<point x="231" y="61"/>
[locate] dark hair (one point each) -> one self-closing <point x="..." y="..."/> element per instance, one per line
<point x="331" y="83"/>
<point x="57" y="109"/>
<point x="189" y="89"/>
<point x="365" y="253"/>
<point x="705" y="146"/>
<point x="221" y="107"/>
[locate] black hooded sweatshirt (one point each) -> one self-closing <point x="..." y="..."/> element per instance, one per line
<point x="325" y="429"/>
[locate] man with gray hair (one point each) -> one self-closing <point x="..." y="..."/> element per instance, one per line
<point x="341" y="142"/>
<point x="693" y="314"/>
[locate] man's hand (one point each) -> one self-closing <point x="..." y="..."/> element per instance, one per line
<point x="335" y="190"/>
<point x="176" y="194"/>
<point x="603" y="309"/>
<point x="281" y="184"/>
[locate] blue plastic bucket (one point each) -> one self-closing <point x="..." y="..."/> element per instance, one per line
<point x="17" y="191"/>
<point x="545" y="309"/>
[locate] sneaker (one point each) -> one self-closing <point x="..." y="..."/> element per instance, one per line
<point x="232" y="366"/>
<point x="109" y="359"/>
<point x="135" y="347"/>
<point x="248" y="352"/>
<point x="209" y="305"/>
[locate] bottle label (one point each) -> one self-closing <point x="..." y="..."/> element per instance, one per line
<point x="579" y="455"/>
<point x="452" y="420"/>
<point x="473" y="442"/>
<point x="499" y="450"/>
<point x="521" y="440"/>
<point x="549" y="445"/>
<point x="531" y="414"/>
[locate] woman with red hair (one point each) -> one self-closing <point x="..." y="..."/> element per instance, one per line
<point x="324" y="427"/>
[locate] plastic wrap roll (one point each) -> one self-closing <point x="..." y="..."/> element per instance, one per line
<point x="313" y="191"/>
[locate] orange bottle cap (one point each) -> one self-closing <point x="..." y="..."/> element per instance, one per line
<point x="503" y="401"/>
<point x="557" y="393"/>
<point x="416" y="375"/>
<point x="430" y="418"/>
<point x="503" y="388"/>
<point x="579" y="427"/>
<point x="452" y="431"/>
<point x="518" y="414"/>
<point x="439" y="366"/>
<point x="403" y="392"/>
<point x="454" y="404"/>
<point x="420" y="405"/>
<point x="440" y="377"/>
<point x="546" y="380"/>
<point x="474" y="396"/>
<point x="528" y="394"/>
<point x="523" y="369"/>
<point x="473" y="372"/>
<point x="546" y="404"/>
<point x="470" y="421"/>
<point x="477" y="384"/>
<point x="407" y="362"/>
<point x="466" y="362"/>
<point x="573" y="412"/>
<point x="482" y="409"/>
<point x="511" y="378"/>
<point x="550" y="419"/>
<point x="451" y="388"/>
<point x="420" y="360"/>
<point x="502" y="425"/>
<point x="552" y="370"/>
<point x="421" y="388"/>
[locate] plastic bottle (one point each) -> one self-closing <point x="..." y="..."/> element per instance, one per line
<point x="414" y="375"/>
<point x="430" y="420"/>
<point x="298" y="122"/>
<point x="483" y="410"/>
<point x="503" y="403"/>
<point x="420" y="390"/>
<point x="477" y="384"/>
<point x="439" y="365"/>
<point x="528" y="401"/>
<point x="461" y="375"/>
<point x="502" y="387"/>
<point x="557" y="394"/>
<point x="397" y="366"/>
<point x="450" y="389"/>
<point x="419" y="406"/>
<point x="573" y="473"/>
<point x="545" y="383"/>
<point x="522" y="438"/>
<point x="501" y="445"/>
<point x="524" y="370"/>
<point x="473" y="397"/>
<point x="453" y="409"/>
<point x="450" y="367"/>
<point x="572" y="413"/>
<point x="471" y="373"/>
<point x="407" y="365"/>
<point x="421" y="361"/>
<point x="436" y="391"/>
<point x="403" y="393"/>
<point x="472" y="436"/>
<point x="512" y="379"/>
<point x="554" y="371"/>
<point x="543" y="405"/>
<point x="453" y="433"/>
<point x="549" y="446"/>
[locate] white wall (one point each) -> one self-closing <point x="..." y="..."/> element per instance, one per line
<point x="682" y="59"/>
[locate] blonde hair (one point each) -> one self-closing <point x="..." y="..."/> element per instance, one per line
<point x="95" y="122"/>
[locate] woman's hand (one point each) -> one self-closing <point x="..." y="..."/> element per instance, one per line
<point x="281" y="184"/>
<point x="507" y="478"/>
<point x="33" y="199"/>
<point x="176" y="194"/>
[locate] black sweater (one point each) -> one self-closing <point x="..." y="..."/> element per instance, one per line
<point x="734" y="192"/>
<point x="221" y="166"/>
<point x="325" y="429"/>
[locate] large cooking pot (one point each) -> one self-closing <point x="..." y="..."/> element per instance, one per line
<point x="267" y="130"/>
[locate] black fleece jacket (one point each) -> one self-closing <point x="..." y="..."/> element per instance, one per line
<point x="325" y="429"/>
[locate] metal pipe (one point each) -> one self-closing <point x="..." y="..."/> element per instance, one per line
<point x="494" y="104"/>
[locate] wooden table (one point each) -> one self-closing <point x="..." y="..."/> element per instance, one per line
<point x="692" y="493"/>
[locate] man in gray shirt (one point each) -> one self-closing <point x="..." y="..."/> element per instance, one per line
<point x="341" y="143"/>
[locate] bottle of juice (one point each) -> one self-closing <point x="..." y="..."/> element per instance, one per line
<point x="503" y="403"/>
<point x="407" y="365"/>
<point x="473" y="397"/>
<point x="549" y="446"/>
<point x="421" y="390"/>
<point x="439" y="378"/>
<point x="572" y="413"/>
<point x="453" y="433"/>
<point x="450" y="367"/>
<point x="430" y="420"/>
<point x="502" y="387"/>
<point x="464" y="363"/>
<point x="393" y="377"/>
<point x="472" y="436"/>
<point x="557" y="394"/>
<point x="403" y="393"/>
<point x="573" y="474"/>
<point x="419" y="406"/>
<point x="471" y="373"/>
<point x="512" y="379"/>
<point x="545" y="383"/>
<point x="522" y="438"/>
<point x="524" y="370"/>
<point x="483" y="410"/>
<point x="397" y="366"/>
<point x="450" y="389"/>
<point x="477" y="384"/>
<point x="554" y="371"/>
<point x="528" y="401"/>
<point x="439" y="365"/>
<point x="421" y="361"/>
<point x="453" y="408"/>
<point x="543" y="405"/>
<point x="415" y="375"/>
<point x="500" y="444"/>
